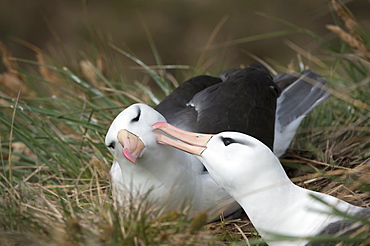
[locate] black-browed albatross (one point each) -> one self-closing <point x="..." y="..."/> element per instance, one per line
<point x="241" y="100"/>
<point x="252" y="174"/>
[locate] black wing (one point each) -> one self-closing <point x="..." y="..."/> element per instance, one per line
<point x="346" y="228"/>
<point x="301" y="93"/>
<point x="172" y="107"/>
<point x="245" y="101"/>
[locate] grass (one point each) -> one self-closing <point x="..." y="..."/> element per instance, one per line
<point x="54" y="174"/>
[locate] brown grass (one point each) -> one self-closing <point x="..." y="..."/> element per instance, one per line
<point x="11" y="82"/>
<point x="352" y="37"/>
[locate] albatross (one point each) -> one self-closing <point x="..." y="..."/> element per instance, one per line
<point x="252" y="174"/>
<point x="244" y="100"/>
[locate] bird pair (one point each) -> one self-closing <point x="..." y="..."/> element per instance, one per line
<point x="254" y="117"/>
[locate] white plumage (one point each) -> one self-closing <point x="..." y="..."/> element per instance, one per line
<point x="249" y="171"/>
<point x="173" y="177"/>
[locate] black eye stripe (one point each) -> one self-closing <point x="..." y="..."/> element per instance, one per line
<point x="228" y="141"/>
<point x="137" y="117"/>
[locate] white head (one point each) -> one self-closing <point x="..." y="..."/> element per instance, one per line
<point x="145" y="165"/>
<point x="234" y="160"/>
<point x="132" y="140"/>
<point x="136" y="121"/>
<point x="237" y="162"/>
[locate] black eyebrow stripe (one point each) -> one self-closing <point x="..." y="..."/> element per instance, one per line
<point x="138" y="116"/>
<point x="228" y="141"/>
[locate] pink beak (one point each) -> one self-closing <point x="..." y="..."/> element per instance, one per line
<point x="132" y="145"/>
<point x="193" y="143"/>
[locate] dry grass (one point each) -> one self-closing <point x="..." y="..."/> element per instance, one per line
<point x="54" y="175"/>
<point x="353" y="38"/>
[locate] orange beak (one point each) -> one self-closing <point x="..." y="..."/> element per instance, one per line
<point x="193" y="143"/>
<point x="132" y="145"/>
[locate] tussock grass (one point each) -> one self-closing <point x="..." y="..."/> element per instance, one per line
<point x="54" y="174"/>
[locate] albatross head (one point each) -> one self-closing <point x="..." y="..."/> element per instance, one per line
<point x="144" y="167"/>
<point x="131" y="135"/>
<point x="235" y="161"/>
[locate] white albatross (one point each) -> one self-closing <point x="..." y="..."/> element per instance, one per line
<point x="237" y="102"/>
<point x="161" y="173"/>
<point x="250" y="172"/>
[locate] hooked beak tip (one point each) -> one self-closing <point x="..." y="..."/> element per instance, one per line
<point x="126" y="153"/>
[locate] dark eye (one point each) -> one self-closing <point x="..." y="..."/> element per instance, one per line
<point x="275" y="90"/>
<point x="228" y="141"/>
<point x="111" y="145"/>
<point x="137" y="117"/>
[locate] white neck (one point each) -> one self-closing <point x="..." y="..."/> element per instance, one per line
<point x="278" y="206"/>
<point x="174" y="179"/>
